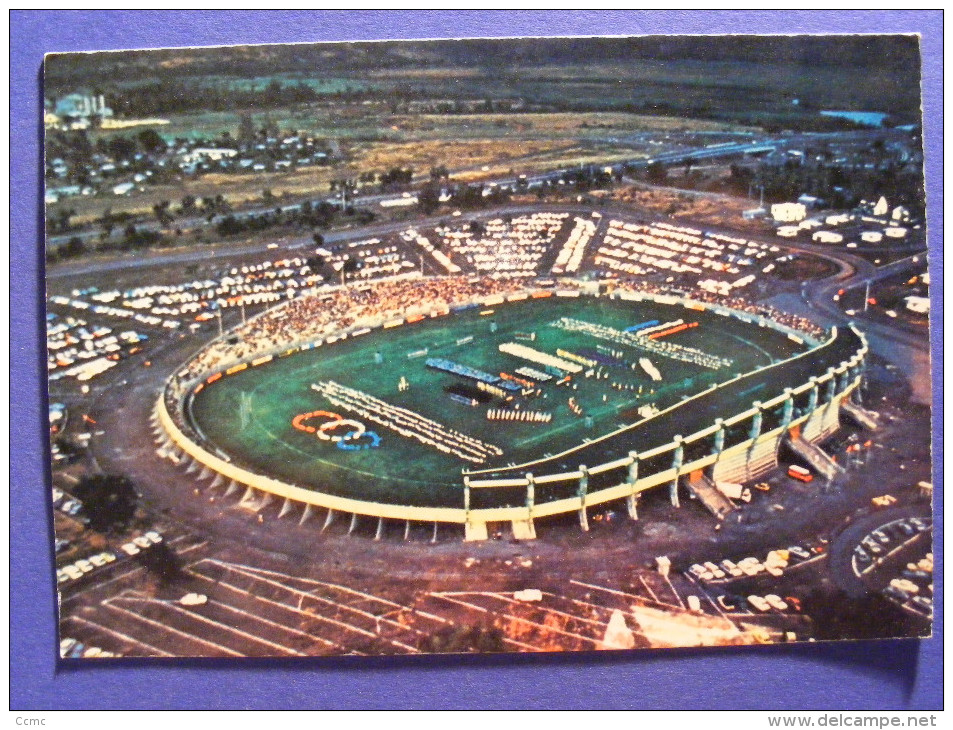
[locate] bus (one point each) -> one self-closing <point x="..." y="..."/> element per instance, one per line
<point x="800" y="473"/>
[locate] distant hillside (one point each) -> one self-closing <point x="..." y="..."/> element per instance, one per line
<point x="854" y="71"/>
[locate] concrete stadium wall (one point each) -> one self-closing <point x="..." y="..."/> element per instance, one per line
<point x="740" y="462"/>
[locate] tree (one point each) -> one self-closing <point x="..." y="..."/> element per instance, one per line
<point x="109" y="501"/>
<point x="246" y="130"/>
<point x="656" y="173"/>
<point x="73" y="247"/>
<point x="464" y="639"/>
<point x="318" y="239"/>
<point x="150" y="141"/>
<point x="428" y="199"/>
<point x="161" y="212"/>
<point x="188" y="204"/>
<point x="161" y="561"/>
<point x="121" y="148"/>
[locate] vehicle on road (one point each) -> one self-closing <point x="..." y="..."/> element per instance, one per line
<point x="799" y="552"/>
<point x="800" y="473"/>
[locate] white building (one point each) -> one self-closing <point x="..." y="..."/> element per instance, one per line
<point x="809" y="201"/>
<point x="208" y="153"/>
<point x="788" y="212"/>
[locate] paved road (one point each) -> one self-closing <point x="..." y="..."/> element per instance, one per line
<point x="226" y="250"/>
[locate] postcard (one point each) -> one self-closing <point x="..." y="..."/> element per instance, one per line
<point x="488" y="345"/>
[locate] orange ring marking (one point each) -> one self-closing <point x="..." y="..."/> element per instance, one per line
<point x="298" y="421"/>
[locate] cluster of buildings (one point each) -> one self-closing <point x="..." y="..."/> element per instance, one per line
<point x="76" y="111"/>
<point x="870" y="223"/>
<point x="121" y="169"/>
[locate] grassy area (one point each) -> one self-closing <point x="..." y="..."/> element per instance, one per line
<point x="281" y="390"/>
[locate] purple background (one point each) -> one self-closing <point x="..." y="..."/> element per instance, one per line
<point x="894" y="675"/>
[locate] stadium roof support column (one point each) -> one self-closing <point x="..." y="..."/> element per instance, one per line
<point x="583" y="490"/>
<point x="756" y="421"/>
<point x="787" y="413"/>
<point x="472" y="531"/>
<point x="812" y="397"/>
<point x="353" y="523"/>
<point x="308" y="511"/>
<point x="831" y="386"/>
<point x="265" y="501"/>
<point x="677" y="459"/>
<point x="632" y="479"/>
<point x="328" y="520"/>
<point x="718" y="445"/>
<point x="843" y="379"/>
<point x="524" y="529"/>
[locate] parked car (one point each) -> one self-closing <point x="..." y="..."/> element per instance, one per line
<point x="799" y="552"/>
<point x="750" y="566"/>
<point x="873" y="547"/>
<point x="895" y="593"/>
<point x="728" y="603"/>
<point x="731" y="569"/>
<point x="776" y="602"/>
<point x="906" y="528"/>
<point x="907" y="586"/>
<point x="759" y="603"/>
<point x="701" y="572"/>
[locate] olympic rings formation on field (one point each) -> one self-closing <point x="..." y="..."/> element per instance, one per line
<point x="356" y="438"/>
<point x="327" y="426"/>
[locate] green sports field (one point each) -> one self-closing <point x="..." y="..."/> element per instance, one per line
<point x="259" y="434"/>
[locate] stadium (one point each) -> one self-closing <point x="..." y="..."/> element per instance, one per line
<point x="496" y="403"/>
